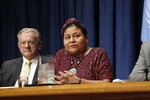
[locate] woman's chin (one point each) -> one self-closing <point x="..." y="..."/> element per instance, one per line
<point x="73" y="53"/>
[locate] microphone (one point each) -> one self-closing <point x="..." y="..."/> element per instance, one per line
<point x="1" y="72"/>
<point x="146" y="73"/>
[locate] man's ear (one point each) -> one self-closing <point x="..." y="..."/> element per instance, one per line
<point x="18" y="45"/>
<point x="40" y="45"/>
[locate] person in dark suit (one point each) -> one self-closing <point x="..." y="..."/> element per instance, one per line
<point x="141" y="70"/>
<point x="29" y="44"/>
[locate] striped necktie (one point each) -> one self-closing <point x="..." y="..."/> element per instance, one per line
<point x="26" y="70"/>
<point x="24" y="74"/>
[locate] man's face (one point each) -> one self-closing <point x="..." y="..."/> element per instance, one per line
<point x="28" y="45"/>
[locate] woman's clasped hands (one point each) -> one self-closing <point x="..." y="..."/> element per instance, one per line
<point x="67" y="77"/>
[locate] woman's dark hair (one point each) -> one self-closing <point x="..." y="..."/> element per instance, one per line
<point x="70" y="22"/>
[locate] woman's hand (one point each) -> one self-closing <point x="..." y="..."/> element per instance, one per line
<point x="66" y="77"/>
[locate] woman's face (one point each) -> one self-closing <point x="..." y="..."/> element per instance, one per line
<point x="74" y="41"/>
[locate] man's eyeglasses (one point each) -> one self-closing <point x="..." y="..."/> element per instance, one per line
<point x="31" y="43"/>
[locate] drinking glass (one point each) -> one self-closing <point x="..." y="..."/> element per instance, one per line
<point x="22" y="81"/>
<point x="46" y="73"/>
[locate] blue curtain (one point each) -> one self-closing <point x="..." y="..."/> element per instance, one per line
<point x="114" y="25"/>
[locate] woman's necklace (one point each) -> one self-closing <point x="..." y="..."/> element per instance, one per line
<point x="74" y="63"/>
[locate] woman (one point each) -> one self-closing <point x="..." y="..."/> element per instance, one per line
<point x="78" y="63"/>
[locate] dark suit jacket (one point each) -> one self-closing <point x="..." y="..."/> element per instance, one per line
<point x="11" y="71"/>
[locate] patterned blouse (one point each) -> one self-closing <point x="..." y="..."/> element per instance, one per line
<point x="93" y="66"/>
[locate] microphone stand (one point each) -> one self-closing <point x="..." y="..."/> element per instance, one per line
<point x="146" y="74"/>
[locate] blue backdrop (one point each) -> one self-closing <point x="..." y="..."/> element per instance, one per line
<point x="114" y="25"/>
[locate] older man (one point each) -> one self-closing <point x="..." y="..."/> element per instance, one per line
<point x="29" y="44"/>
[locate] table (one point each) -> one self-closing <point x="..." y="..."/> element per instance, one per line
<point x="102" y="91"/>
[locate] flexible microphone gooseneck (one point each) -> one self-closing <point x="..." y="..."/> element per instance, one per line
<point x="146" y="73"/>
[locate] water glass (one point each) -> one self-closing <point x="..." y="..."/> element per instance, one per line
<point x="46" y="73"/>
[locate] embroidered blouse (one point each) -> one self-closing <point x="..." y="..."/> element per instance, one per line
<point x="93" y="66"/>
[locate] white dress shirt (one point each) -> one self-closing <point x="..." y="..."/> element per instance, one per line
<point x="35" y="61"/>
